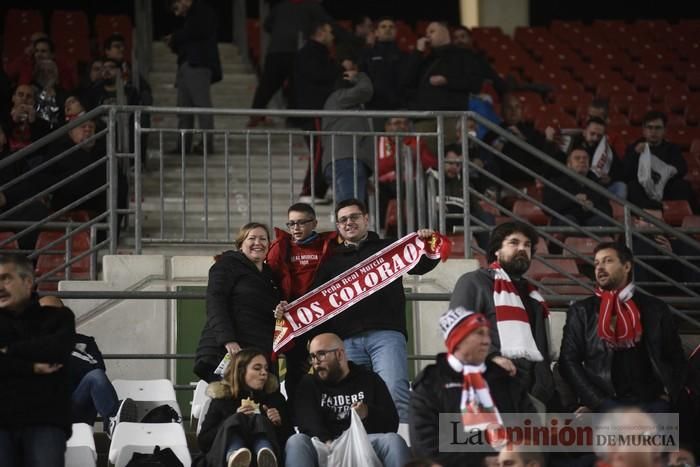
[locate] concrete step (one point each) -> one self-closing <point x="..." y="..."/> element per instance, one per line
<point x="230" y="77"/>
<point x="227" y="50"/>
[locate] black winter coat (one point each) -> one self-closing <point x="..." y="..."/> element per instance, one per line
<point x="196" y="42"/>
<point x="438" y="389"/>
<point x="222" y="422"/>
<point x="564" y="205"/>
<point x="315" y="73"/>
<point x="585" y="362"/>
<point x="240" y="304"/>
<point x="383" y="310"/>
<point x="385" y="64"/>
<point x="669" y="153"/>
<point x="37" y="335"/>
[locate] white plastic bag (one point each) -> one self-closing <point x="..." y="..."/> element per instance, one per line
<point x="353" y="448"/>
<point x="649" y="163"/>
<point x="322" y="451"/>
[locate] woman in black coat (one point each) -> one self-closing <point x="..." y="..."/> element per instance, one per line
<point x="241" y="298"/>
<point x="247" y="416"/>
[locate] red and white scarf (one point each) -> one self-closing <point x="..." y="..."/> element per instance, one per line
<point x="512" y="322"/>
<point x="619" y="321"/>
<point x="476" y="404"/>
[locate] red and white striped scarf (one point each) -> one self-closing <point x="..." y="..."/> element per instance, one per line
<point x="476" y="404"/>
<point x="619" y="321"/>
<point x="512" y="322"/>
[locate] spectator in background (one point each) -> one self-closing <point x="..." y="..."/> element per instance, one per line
<point x="621" y="347"/>
<point x="247" y="413"/>
<point x="579" y="211"/>
<point x="665" y="168"/>
<point x="348" y="159"/>
<point x="606" y="167"/>
<point x="35" y="344"/>
<point x="454" y="384"/>
<point x="50" y="96"/>
<point x="106" y="92"/>
<point x="287" y="23"/>
<point x="388" y="153"/>
<point x="385" y="64"/>
<point x="241" y="298"/>
<point x="24" y="128"/>
<point x="198" y="65"/>
<point x="115" y="49"/>
<point x="512" y="112"/>
<point x="315" y="74"/>
<point x="43" y="49"/>
<point x="517" y="457"/>
<point x="518" y="362"/>
<point x="326" y="398"/>
<point x="91" y="77"/>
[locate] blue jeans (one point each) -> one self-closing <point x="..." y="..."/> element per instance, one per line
<point x="618" y="188"/>
<point x="94" y="394"/>
<point x="344" y="179"/>
<point x="384" y="352"/>
<point x="34" y="446"/>
<point x="389" y="447"/>
<point x="236" y="443"/>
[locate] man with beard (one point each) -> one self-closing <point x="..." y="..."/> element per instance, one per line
<point x="621" y="346"/>
<point x="324" y="401"/>
<point x="518" y="361"/>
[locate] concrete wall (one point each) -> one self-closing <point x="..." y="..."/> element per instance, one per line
<point x="508" y="14"/>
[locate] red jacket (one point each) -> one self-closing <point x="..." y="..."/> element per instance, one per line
<point x="293" y="265"/>
<point x="387" y="156"/>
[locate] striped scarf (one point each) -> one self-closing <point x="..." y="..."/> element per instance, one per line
<point x="619" y="321"/>
<point x="512" y="322"/>
<point x="476" y="405"/>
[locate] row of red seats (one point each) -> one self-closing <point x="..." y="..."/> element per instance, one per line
<point x="69" y="30"/>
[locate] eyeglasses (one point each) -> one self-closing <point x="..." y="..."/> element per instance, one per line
<point x="352" y="217"/>
<point x="320" y="355"/>
<point x="292" y="224"/>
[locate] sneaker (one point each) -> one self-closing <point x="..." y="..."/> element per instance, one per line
<point x="266" y="458"/>
<point x="240" y="458"/>
<point x="127" y="412"/>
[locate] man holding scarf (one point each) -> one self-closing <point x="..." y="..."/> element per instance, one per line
<point x="517" y="363"/>
<point x="454" y="383"/>
<point x="621" y="346"/>
<point x="373" y="329"/>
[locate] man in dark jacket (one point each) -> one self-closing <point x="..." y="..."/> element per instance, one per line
<point x="325" y="400"/>
<point x="578" y="210"/>
<point x="440" y="389"/>
<point x="621" y="347"/>
<point x="374" y="329"/>
<point x="35" y="343"/>
<point x="654" y="130"/>
<point x="518" y="363"/>
<point x="198" y="63"/>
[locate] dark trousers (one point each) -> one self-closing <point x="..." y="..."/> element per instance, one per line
<point x="320" y="185"/>
<point x="297" y="360"/>
<point x="33" y="446"/>
<point x="194" y="90"/>
<point x="278" y="68"/>
<point x="675" y="189"/>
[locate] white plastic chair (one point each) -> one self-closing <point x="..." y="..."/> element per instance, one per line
<point x="203" y="414"/>
<point x="129" y="438"/>
<point x="198" y="398"/>
<point x="145" y="390"/>
<point x="80" y="448"/>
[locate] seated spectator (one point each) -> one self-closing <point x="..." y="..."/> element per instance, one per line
<point x="512" y="113"/>
<point x="660" y="176"/>
<point x="35" y="344"/>
<point x="353" y="89"/>
<point x="605" y="165"/>
<point x="72" y="107"/>
<point x="104" y="92"/>
<point x="326" y="399"/>
<point x="115" y="49"/>
<point x="50" y="96"/>
<point x="247" y="416"/>
<point x="598" y="108"/>
<point x="43" y="49"/>
<point x="580" y="210"/>
<point x="621" y="346"/>
<point x="91" y="77"/>
<point x="387" y="155"/>
<point x="24" y="127"/>
<point x="684" y="457"/>
<point x="385" y="64"/>
<point x="454" y="384"/>
<point x="454" y="189"/>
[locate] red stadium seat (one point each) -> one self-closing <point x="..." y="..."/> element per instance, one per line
<point x="606" y="89"/>
<point x="637" y="111"/>
<point x="13" y="245"/>
<point x="584" y="246"/>
<point x="676" y="100"/>
<point x="675" y="211"/>
<point x="73" y="22"/>
<point x="106" y="25"/>
<point x="571" y="102"/>
<point x="692" y="222"/>
<point x="530" y="212"/>
<point x="80" y="241"/>
<point x="538" y="269"/>
<point x="692" y="79"/>
<point x="621" y="102"/>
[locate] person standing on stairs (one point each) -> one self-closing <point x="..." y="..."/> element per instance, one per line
<point x="198" y="65"/>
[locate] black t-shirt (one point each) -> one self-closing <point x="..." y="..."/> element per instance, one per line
<point x="633" y="377"/>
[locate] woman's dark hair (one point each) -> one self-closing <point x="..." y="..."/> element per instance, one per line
<point x="235" y="373"/>
<point x="504" y="230"/>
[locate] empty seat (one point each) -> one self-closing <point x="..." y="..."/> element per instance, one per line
<point x="675" y="211"/>
<point x="538" y="269"/>
<point x="582" y="246"/>
<point x="145" y="390"/>
<point x="80" y="241"/>
<point x="692" y="222"/>
<point x="530" y="212"/>
<point x="80" y="448"/>
<point x="74" y="22"/>
<point x="129" y="438"/>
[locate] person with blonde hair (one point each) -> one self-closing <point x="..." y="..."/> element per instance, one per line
<point x="241" y="298"/>
<point x="247" y="416"/>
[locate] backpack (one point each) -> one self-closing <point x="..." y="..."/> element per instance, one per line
<point x="159" y="458"/>
<point x="162" y="414"/>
